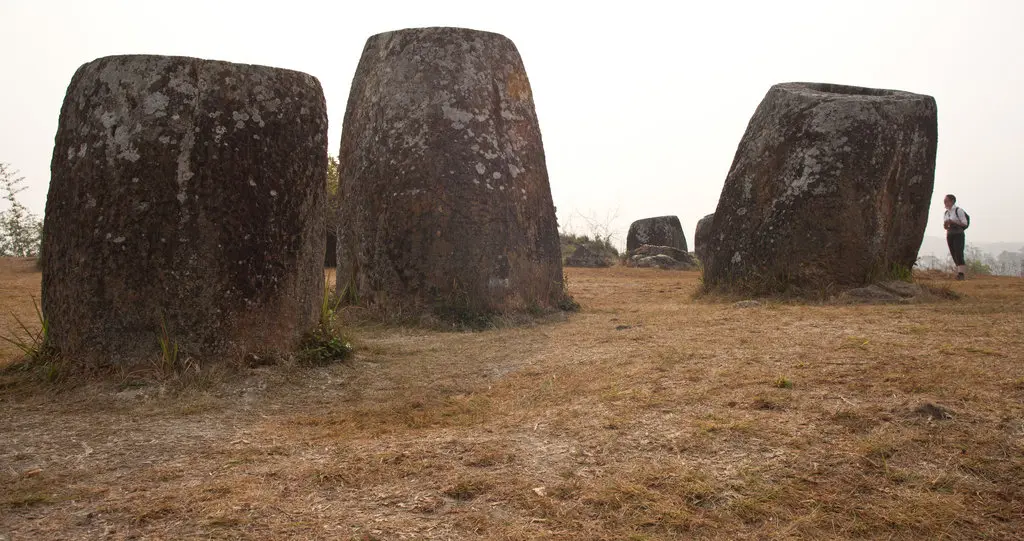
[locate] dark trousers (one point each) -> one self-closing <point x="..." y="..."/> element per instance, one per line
<point x="956" y="242"/>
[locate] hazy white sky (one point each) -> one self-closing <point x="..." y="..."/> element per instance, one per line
<point x="641" y="103"/>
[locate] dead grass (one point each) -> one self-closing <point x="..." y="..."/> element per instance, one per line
<point x="19" y="284"/>
<point x="647" y="415"/>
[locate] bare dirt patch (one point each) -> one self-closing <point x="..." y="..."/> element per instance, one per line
<point x="647" y="415"/>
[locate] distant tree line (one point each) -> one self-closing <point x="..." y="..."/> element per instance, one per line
<point x="1007" y="263"/>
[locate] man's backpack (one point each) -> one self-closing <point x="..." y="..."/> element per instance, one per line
<point x="968" y="219"/>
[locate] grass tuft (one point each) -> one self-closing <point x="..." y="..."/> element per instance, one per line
<point x="325" y="344"/>
<point x="38" y="354"/>
<point x="782" y="382"/>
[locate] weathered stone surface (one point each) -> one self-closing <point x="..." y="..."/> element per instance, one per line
<point x="903" y="289"/>
<point x="649" y="250"/>
<point x="445" y="204"/>
<point x="657" y="261"/>
<point x="702" y="238"/>
<point x="931" y="411"/>
<point x="663" y="257"/>
<point x="186" y="192"/>
<point x="659" y="231"/>
<point x="830" y="185"/>
<point x="870" y="294"/>
<point x="892" y="291"/>
<point x="585" y="257"/>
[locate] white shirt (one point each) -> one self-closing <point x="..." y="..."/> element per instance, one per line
<point x="956" y="215"/>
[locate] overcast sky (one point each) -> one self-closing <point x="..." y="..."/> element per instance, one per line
<point x="641" y="104"/>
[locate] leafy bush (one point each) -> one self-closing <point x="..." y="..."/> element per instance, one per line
<point x="20" y="230"/>
<point x="333" y="177"/>
<point x="325" y="344"/>
<point x="600" y="245"/>
<point x="976" y="267"/>
<point x="975" y="260"/>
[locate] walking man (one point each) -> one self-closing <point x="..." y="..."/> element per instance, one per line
<point x="955" y="221"/>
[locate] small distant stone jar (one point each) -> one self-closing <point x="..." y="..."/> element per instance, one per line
<point x="657" y="231"/>
<point x="445" y="205"/>
<point x="186" y="196"/>
<point x="830" y="186"/>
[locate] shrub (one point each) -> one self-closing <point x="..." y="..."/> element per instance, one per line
<point x="976" y="261"/>
<point x="20" y="230"/>
<point x="325" y="344"/>
<point x="976" y="267"/>
<point x="600" y="245"/>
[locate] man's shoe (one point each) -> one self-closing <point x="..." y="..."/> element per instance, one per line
<point x="960" y="276"/>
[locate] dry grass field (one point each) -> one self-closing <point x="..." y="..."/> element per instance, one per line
<point x="650" y="414"/>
